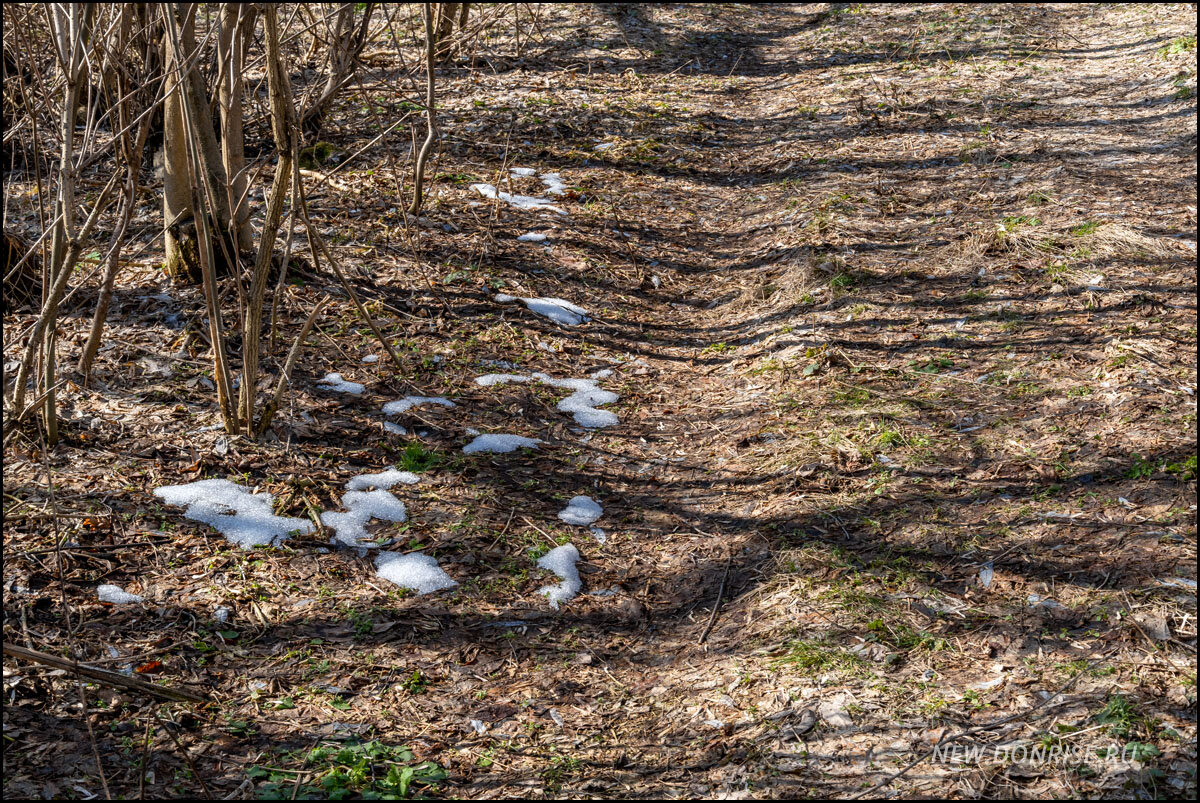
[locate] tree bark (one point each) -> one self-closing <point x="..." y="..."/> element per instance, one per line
<point x="237" y="31"/>
<point x="430" y="115"/>
<point x="181" y="229"/>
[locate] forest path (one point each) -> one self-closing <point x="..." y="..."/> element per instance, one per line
<point x="899" y="301"/>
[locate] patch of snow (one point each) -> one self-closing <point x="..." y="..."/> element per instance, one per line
<point x="361" y="507"/>
<point x="582" y="404"/>
<point x="603" y="146"/>
<point x="522" y="171"/>
<point x="221" y="614"/>
<point x="500" y="444"/>
<point x="414" y="570"/>
<point x="561" y="560"/>
<point x="581" y="510"/>
<point x="986" y="574"/>
<point x="383" y="480"/>
<point x="599" y="534"/>
<point x="477" y="726"/>
<point x="371" y="358"/>
<point x="519" y="201"/>
<point x="116" y="595"/>
<point x="556" y="309"/>
<point x="408" y="402"/>
<point x="335" y="382"/>
<point x="244" y="518"/>
<point x="603" y="373"/>
<point x="394" y="428"/>
<point x="554" y="183"/>
<point x="500" y="379"/>
<point x="532" y="237"/>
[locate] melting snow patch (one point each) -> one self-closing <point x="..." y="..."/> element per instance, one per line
<point x="371" y="358"/>
<point x="500" y="379"/>
<point x="116" y="595"/>
<point x="414" y="570"/>
<point x="581" y="404"/>
<point x="395" y="429"/>
<point x="384" y="480"/>
<point x="335" y="382"/>
<point x="556" y="309"/>
<point x="581" y="510"/>
<point x="243" y="518"/>
<point x="362" y="506"/>
<point x="599" y="534"/>
<point x="554" y="183"/>
<point x="500" y="444"/>
<point x="532" y="237"/>
<point x="408" y="402"/>
<point x="519" y="201"/>
<point x="522" y="171"/>
<point x="561" y="560"/>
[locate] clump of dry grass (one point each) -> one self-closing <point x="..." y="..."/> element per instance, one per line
<point x="1084" y="242"/>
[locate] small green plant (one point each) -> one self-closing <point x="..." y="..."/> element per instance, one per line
<point x="719" y="348"/>
<point x="417" y="458"/>
<point x="1119" y="715"/>
<point x="1084" y="229"/>
<point x="416" y="683"/>
<point x="1185" y="471"/>
<point x="1141" y="468"/>
<point x="366" y="770"/>
<point x="1178" y="46"/>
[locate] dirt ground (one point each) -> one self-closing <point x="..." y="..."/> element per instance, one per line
<point x="900" y="302"/>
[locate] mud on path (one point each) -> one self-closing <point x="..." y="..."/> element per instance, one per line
<point x="900" y="303"/>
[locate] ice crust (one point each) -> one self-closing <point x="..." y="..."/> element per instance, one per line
<point x="334" y="381"/>
<point x="561" y="560"/>
<point x="116" y="595"/>
<point x="408" y="402"/>
<point x="532" y="237"/>
<point x="243" y="518"/>
<point x="582" y="404"/>
<point x="581" y="510"/>
<point x="361" y="507"/>
<point x="556" y="309"/>
<point x="414" y="570"/>
<point x="383" y="480"/>
<point x="519" y="201"/>
<point x="500" y="444"/>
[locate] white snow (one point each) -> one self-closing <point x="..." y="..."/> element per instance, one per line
<point x="383" y="480"/>
<point x="599" y="534"/>
<point x="603" y="373"/>
<point x="335" y="382"/>
<point x="532" y="237"/>
<point x="554" y="183"/>
<point x="501" y="379"/>
<point x="393" y="428"/>
<point x="522" y="171"/>
<point x="243" y="518"/>
<point x="361" y="507"/>
<point x="414" y="570"/>
<point x="581" y="404"/>
<point x="500" y="444"/>
<point x="519" y="201"/>
<point x="116" y="595"/>
<point x="556" y="309"/>
<point x="371" y="358"/>
<point x="408" y="402"/>
<point x="221" y="614"/>
<point x="561" y="560"/>
<point x="581" y="510"/>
